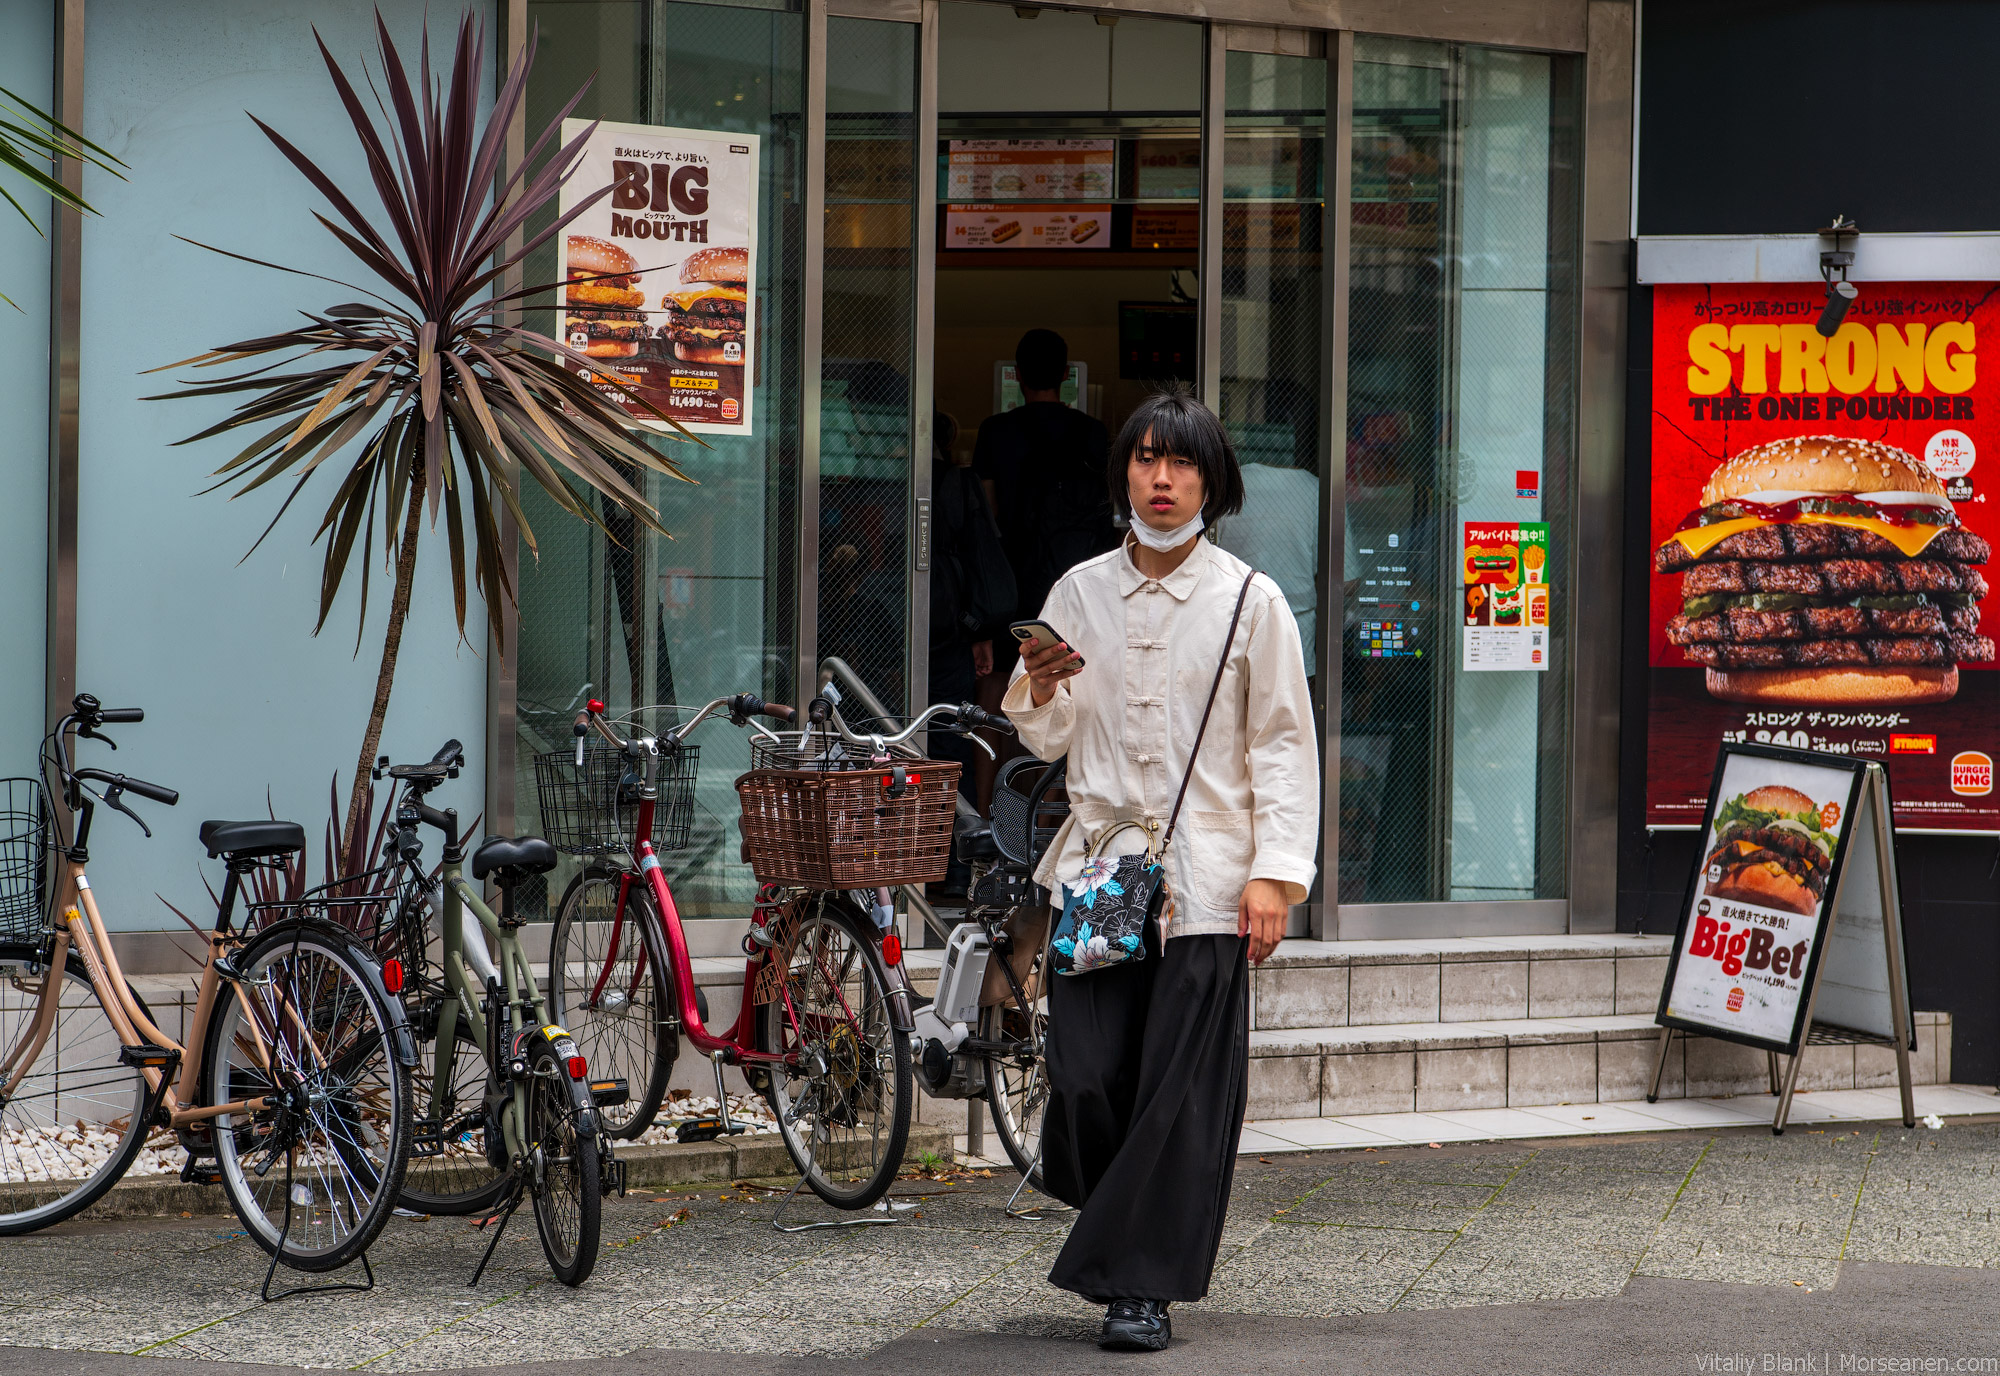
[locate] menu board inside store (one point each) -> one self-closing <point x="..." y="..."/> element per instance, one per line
<point x="1031" y="170"/>
<point x="1821" y="535"/>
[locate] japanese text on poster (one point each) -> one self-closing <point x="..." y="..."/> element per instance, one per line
<point x="658" y="276"/>
<point x="1820" y="530"/>
<point x="1506" y="595"/>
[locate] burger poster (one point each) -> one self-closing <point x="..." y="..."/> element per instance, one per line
<point x="657" y="276"/>
<point x="1506" y="595"/>
<point x="1749" y="941"/>
<point x="1821" y="526"/>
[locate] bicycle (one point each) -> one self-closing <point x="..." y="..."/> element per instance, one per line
<point x="300" y="1054"/>
<point x="824" y="1032"/>
<point x="982" y="1038"/>
<point x="506" y="1107"/>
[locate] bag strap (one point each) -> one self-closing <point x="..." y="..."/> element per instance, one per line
<point x="1228" y="643"/>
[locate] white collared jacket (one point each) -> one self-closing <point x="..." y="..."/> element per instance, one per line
<point x="1128" y="721"/>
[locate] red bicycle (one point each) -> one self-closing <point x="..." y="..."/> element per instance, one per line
<point x="824" y="1029"/>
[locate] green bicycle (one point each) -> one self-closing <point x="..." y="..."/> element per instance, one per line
<point x="505" y="1109"/>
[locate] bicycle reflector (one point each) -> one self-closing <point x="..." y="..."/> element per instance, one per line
<point x="392" y="975"/>
<point x="577" y="1068"/>
<point x="892" y="949"/>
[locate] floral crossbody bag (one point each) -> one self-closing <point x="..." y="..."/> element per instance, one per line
<point x="1111" y="910"/>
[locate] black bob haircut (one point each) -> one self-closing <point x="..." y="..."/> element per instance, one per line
<point x="1183" y="427"/>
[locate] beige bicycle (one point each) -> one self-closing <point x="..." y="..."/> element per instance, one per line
<point x="292" y="1088"/>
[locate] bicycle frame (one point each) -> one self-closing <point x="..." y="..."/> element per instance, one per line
<point x="84" y="929"/>
<point x="518" y="987"/>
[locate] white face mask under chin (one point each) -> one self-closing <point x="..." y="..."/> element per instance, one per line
<point x="1163" y="540"/>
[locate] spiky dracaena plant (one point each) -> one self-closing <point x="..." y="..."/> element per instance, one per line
<point x="449" y="401"/>
<point x="33" y="142"/>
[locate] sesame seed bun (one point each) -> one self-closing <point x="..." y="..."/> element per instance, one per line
<point x="1822" y="463"/>
<point x="1873" y="687"/>
<point x="1778" y="798"/>
<point x="730" y="265"/>
<point x="589" y="256"/>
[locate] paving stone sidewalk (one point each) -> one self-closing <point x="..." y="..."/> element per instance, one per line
<point x="1310" y="1235"/>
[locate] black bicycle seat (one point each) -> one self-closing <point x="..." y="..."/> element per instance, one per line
<point x="977" y="845"/>
<point x="513" y="858"/>
<point x="419" y="771"/>
<point x="252" y="839"/>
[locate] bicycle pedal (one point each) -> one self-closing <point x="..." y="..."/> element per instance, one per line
<point x="611" y="1176"/>
<point x="426" y="1138"/>
<point x="705" y="1129"/>
<point x="149" y="1057"/>
<point x="205" y="1172"/>
<point x="610" y="1093"/>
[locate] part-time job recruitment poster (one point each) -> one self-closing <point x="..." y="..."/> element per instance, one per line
<point x="659" y="277"/>
<point x="1823" y="516"/>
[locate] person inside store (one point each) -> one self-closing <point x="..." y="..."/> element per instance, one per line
<point x="1042" y="467"/>
<point x="1177" y="678"/>
<point x="972" y="600"/>
<point x="1277" y="531"/>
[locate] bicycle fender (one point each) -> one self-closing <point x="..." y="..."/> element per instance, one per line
<point x="900" y="1017"/>
<point x="563" y="1046"/>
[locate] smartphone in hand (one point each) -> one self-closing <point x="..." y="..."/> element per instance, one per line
<point x="1038" y="635"/>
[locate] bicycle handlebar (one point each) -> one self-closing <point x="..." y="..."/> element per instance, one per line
<point x="122" y="714"/>
<point x="965" y="717"/>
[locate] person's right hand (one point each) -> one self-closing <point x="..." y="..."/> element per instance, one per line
<point x="1048" y="667"/>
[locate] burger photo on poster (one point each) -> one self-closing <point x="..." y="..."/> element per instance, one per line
<point x="1772" y="849"/>
<point x="602" y="315"/>
<point x="1827" y="569"/>
<point x="707" y="312"/>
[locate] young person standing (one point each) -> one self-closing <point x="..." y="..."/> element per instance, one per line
<point x="1148" y="1061"/>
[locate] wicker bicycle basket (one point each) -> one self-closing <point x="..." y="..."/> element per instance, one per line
<point x="24" y="853"/>
<point x="594" y="810"/>
<point x="840" y="829"/>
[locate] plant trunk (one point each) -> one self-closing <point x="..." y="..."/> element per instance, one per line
<point x="392" y="642"/>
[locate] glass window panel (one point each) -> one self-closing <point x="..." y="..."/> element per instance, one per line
<point x="1273" y="155"/>
<point x="637" y="619"/>
<point x="1460" y="409"/>
<point x="868" y="345"/>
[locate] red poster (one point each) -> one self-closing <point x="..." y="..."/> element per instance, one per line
<point x="1821" y="531"/>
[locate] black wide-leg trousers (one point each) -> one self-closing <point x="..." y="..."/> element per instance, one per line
<point x="1148" y="1071"/>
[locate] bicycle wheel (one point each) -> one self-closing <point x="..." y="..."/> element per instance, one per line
<point x="842" y="1098"/>
<point x="449" y="1170"/>
<point x="74" y="1119"/>
<point x="617" y="1003"/>
<point x="1017" y="1086"/>
<point x="563" y="1173"/>
<point x="316" y="1172"/>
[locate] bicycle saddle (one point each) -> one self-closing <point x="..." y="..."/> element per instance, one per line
<point x="513" y="858"/>
<point x="977" y="844"/>
<point x="252" y="839"/>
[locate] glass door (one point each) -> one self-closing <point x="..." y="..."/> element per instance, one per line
<point x="629" y="617"/>
<point x="1461" y="420"/>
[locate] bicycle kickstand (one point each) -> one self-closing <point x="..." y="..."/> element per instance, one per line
<point x="506" y="1216"/>
<point x="284" y="1232"/>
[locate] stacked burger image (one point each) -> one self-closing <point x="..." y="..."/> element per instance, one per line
<point x="1825" y="569"/>
<point x="601" y="299"/>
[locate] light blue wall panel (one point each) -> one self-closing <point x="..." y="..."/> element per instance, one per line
<point x="240" y="697"/>
<point x="26" y="67"/>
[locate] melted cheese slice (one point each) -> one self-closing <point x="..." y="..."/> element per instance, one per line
<point x="694" y="292"/>
<point x="1912" y="540"/>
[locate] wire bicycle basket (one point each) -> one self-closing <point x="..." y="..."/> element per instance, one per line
<point x="24" y="854"/>
<point x="594" y="810"/>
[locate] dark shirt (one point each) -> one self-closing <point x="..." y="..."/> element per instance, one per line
<point x="1046" y="462"/>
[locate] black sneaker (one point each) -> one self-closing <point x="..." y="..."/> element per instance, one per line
<point x="1136" y="1326"/>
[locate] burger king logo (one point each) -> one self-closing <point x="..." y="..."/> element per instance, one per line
<point x="1971" y="774"/>
<point x="1736" y="999"/>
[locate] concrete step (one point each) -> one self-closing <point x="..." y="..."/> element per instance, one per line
<point x="1419" y="1067"/>
<point x="1456" y="979"/>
